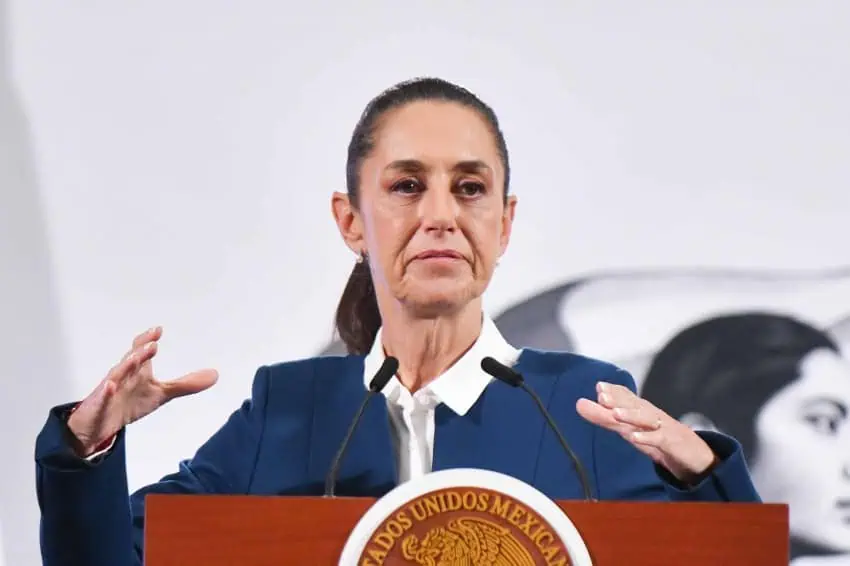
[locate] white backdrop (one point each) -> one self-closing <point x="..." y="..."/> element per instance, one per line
<point x="172" y="162"/>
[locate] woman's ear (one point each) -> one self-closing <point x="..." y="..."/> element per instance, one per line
<point x="698" y="421"/>
<point x="348" y="221"/>
<point x="507" y="223"/>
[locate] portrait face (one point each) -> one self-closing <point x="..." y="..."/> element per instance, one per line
<point x="803" y="455"/>
<point x="431" y="216"/>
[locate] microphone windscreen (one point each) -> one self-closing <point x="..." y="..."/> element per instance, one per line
<point x="384" y="374"/>
<point x="501" y="372"/>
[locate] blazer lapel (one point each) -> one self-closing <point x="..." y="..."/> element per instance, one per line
<point x="502" y="432"/>
<point x="368" y="467"/>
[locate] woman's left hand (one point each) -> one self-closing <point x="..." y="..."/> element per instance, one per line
<point x="671" y="444"/>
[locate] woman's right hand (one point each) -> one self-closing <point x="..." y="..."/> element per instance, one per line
<point x="129" y="392"/>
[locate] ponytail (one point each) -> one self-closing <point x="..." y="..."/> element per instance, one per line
<point x="357" y="316"/>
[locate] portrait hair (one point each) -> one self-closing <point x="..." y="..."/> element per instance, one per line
<point x="725" y="369"/>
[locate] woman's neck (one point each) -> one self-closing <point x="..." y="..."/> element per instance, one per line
<point x="425" y="348"/>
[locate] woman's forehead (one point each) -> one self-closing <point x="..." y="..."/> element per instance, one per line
<point x="439" y="132"/>
<point x="825" y="369"/>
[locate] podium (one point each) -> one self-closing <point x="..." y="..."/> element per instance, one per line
<point x="295" y="530"/>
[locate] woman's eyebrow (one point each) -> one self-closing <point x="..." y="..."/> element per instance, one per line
<point x="836" y="405"/>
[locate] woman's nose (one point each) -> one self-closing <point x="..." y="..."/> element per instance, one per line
<point x="439" y="209"/>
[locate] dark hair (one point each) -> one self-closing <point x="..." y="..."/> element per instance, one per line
<point x="727" y="368"/>
<point x="357" y="316"/>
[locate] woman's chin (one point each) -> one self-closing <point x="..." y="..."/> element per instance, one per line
<point x="439" y="300"/>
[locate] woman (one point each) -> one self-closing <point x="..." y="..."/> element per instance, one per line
<point x="428" y="214"/>
<point x="782" y="388"/>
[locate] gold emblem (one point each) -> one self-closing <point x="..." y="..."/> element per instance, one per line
<point x="467" y="541"/>
<point x="464" y="526"/>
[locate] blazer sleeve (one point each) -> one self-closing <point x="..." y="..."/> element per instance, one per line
<point x="623" y="472"/>
<point x="87" y="516"/>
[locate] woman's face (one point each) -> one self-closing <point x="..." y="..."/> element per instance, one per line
<point x="803" y="455"/>
<point x="431" y="213"/>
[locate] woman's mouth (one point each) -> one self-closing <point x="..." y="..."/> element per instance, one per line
<point x="438" y="255"/>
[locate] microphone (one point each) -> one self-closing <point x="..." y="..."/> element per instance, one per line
<point x="382" y="377"/>
<point x="513" y="378"/>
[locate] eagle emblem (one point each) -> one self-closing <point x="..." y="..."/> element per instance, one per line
<point x="467" y="541"/>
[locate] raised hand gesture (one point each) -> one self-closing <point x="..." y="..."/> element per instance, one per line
<point x="669" y="443"/>
<point x="129" y="392"/>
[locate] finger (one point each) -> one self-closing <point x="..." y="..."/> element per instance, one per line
<point x="151" y="334"/>
<point x="612" y="395"/>
<point x="639" y="417"/>
<point x="649" y="438"/>
<point x="131" y="362"/>
<point x="191" y="383"/>
<point x="597" y="414"/>
<point x="604" y="417"/>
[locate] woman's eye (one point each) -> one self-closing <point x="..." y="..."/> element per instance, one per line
<point x="471" y="189"/>
<point x="824" y="424"/>
<point x="407" y="186"/>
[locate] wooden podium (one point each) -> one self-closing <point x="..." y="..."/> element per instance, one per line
<point x="294" y="531"/>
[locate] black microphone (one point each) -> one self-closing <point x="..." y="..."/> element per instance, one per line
<point x="382" y="377"/>
<point x="513" y="378"/>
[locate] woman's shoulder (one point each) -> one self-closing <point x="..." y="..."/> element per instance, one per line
<point x="305" y="366"/>
<point x="570" y="368"/>
<point x="316" y="368"/>
<point x="297" y="378"/>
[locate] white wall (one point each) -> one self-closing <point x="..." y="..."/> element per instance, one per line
<point x="166" y="162"/>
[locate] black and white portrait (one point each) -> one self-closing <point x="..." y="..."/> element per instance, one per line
<point x="760" y="356"/>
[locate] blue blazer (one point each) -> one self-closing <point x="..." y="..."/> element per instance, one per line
<point x="281" y="441"/>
